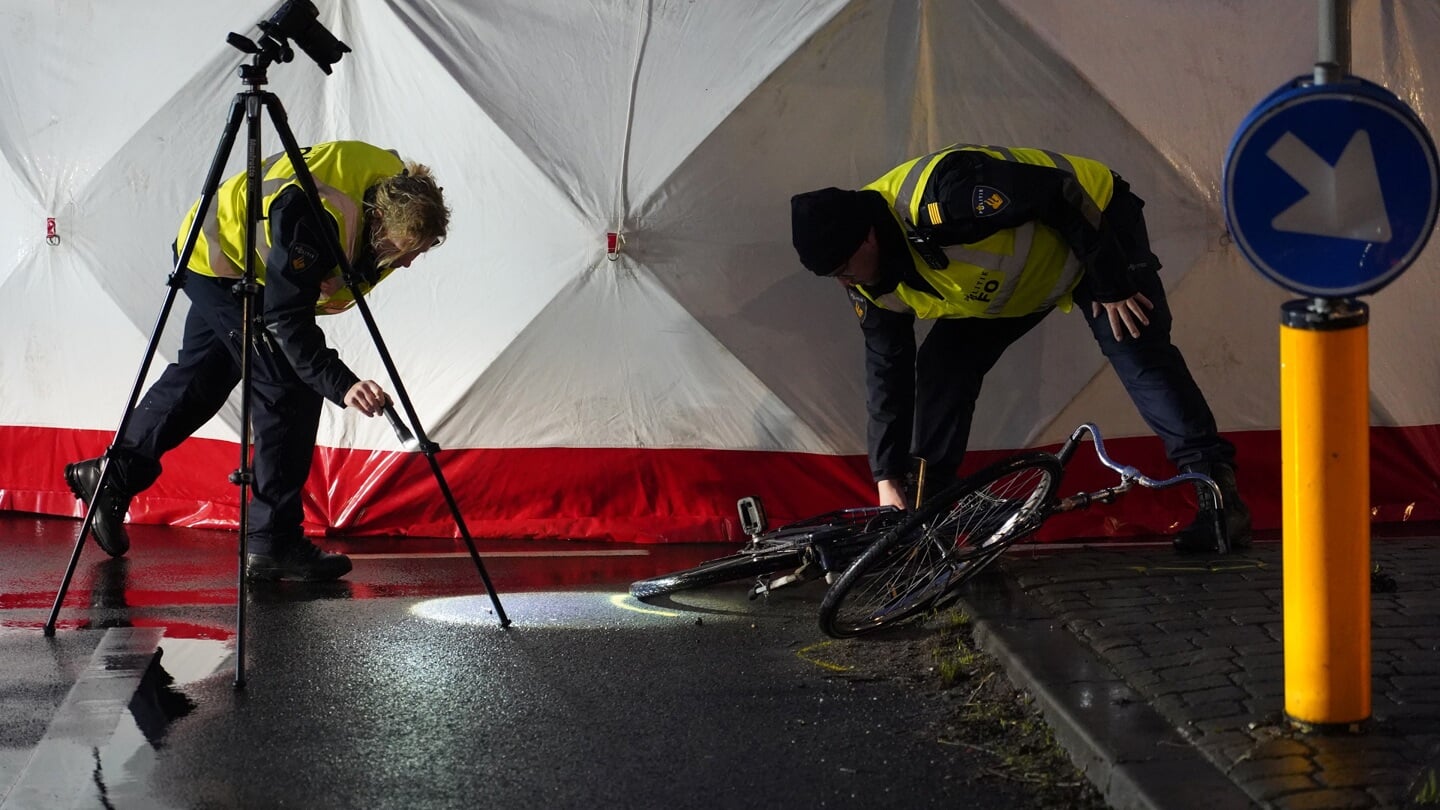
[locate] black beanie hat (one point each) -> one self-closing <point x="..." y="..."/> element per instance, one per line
<point x="827" y="227"/>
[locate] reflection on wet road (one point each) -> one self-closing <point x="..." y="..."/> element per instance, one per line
<point x="397" y="688"/>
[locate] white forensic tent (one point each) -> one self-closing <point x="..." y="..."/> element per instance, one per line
<point x="635" y="399"/>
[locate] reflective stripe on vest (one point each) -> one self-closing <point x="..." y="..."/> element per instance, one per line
<point x="1010" y="273"/>
<point x="342" y="172"/>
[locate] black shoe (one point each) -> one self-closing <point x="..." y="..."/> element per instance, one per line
<point x="1200" y="537"/>
<point x="301" y="561"/>
<point x="108" y="523"/>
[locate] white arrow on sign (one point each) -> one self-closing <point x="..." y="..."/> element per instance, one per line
<point x="1344" y="200"/>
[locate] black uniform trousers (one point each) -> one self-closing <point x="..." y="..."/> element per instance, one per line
<point x="285" y="413"/>
<point x="952" y="362"/>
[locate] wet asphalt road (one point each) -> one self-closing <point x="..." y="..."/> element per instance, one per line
<point x="398" y="688"/>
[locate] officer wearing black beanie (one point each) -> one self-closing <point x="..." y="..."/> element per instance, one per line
<point x="987" y="241"/>
<point x="827" y="226"/>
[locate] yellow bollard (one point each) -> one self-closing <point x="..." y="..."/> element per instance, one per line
<point x="1325" y="454"/>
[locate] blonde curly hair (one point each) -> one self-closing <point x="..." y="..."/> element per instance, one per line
<point x="412" y="213"/>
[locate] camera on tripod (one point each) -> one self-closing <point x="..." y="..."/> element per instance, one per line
<point x="299" y="20"/>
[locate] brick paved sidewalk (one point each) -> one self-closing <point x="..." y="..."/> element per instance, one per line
<point x="1198" y="641"/>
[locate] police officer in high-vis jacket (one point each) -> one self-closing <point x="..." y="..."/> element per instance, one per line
<point x="987" y="241"/>
<point x="385" y="212"/>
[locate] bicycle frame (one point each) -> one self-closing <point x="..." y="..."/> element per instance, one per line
<point x="826" y="542"/>
<point x="773" y="558"/>
<point x="1129" y="477"/>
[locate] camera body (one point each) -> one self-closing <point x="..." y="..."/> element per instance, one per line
<point x="299" y="21"/>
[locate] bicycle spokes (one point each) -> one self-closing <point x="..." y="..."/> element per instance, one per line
<point x="1005" y="509"/>
<point x="906" y="579"/>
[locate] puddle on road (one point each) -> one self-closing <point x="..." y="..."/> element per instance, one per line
<point x="122" y="766"/>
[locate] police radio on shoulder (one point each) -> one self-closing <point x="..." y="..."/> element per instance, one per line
<point x="920" y="240"/>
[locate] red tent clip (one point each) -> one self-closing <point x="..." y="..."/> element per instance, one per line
<point x="613" y="241"/>
<point x="51" y="237"/>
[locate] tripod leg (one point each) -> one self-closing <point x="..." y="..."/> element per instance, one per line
<point x="302" y="175"/>
<point x="430" y="449"/>
<point x="175" y="282"/>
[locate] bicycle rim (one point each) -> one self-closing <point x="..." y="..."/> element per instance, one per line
<point x="942" y="544"/>
<point x="724" y="569"/>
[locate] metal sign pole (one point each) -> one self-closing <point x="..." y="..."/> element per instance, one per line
<point x="1334" y="55"/>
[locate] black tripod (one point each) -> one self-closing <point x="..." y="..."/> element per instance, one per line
<point x="248" y="105"/>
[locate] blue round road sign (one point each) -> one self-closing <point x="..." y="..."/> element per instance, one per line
<point x="1331" y="189"/>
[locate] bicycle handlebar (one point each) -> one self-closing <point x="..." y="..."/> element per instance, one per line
<point x="1130" y="475"/>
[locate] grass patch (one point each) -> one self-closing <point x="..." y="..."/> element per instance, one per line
<point x="989" y="715"/>
<point x="973" y="706"/>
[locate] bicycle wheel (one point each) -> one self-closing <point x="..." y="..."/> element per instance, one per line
<point x="941" y="544"/>
<point x="746" y="564"/>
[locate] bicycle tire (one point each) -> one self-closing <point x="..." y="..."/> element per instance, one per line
<point x="941" y="544"/>
<point x="723" y="569"/>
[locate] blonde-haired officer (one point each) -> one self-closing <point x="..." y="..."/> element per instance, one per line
<point x="383" y="212"/>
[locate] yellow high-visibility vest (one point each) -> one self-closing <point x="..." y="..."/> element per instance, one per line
<point x="1011" y="273"/>
<point x="342" y="170"/>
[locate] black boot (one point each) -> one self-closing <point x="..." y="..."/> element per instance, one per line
<point x="108" y="524"/>
<point x="1199" y="537"/>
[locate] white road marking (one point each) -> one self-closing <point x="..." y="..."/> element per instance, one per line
<point x="420" y="555"/>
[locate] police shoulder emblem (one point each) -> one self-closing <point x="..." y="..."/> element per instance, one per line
<point x="989" y="201"/>
<point x="858" y="301"/>
<point x="302" y="255"/>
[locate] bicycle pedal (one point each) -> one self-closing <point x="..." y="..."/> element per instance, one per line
<point x="761" y="587"/>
